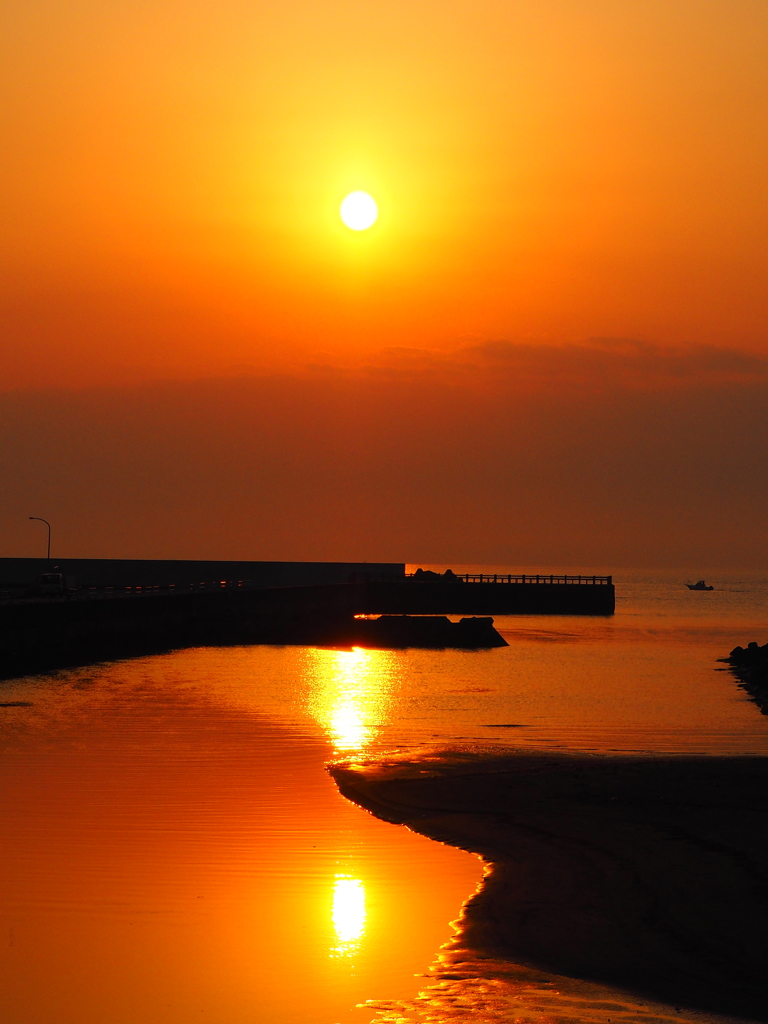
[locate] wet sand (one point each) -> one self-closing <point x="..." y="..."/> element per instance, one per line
<point x="646" y="873"/>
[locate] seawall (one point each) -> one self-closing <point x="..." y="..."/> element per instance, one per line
<point x="164" y="572"/>
<point x="439" y="598"/>
<point x="40" y="634"/>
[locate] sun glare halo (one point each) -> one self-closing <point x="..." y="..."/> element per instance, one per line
<point x="359" y="211"/>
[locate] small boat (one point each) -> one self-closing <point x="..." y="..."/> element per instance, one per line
<point x="701" y="585"/>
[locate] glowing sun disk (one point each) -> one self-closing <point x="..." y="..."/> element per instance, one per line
<point x="359" y="211"/>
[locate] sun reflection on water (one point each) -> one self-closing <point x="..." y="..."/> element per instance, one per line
<point x="351" y="695"/>
<point x="348" y="914"/>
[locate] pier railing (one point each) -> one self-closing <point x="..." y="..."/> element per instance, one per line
<point x="209" y="586"/>
<point x="524" y="578"/>
<point x="107" y="593"/>
<point x="471" y="577"/>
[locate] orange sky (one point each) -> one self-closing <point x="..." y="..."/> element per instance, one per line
<point x="547" y="171"/>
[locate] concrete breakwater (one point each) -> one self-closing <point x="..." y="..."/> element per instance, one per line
<point x="387" y="590"/>
<point x="18" y="575"/>
<point x="118" y="619"/>
<point x="537" y="595"/>
<point x="39" y="635"/>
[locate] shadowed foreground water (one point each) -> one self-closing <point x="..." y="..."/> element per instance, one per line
<point x="167" y="858"/>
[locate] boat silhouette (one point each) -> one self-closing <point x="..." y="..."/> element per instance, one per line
<point x="701" y="585"/>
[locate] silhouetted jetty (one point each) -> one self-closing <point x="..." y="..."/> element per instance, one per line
<point x="382" y="588"/>
<point x="114" y="609"/>
<point x="449" y="593"/>
<point x="103" y="576"/>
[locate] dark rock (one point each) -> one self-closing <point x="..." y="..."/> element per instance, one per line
<point x="434" y="631"/>
<point x="750" y="667"/>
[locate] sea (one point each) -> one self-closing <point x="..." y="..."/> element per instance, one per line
<point x="174" y="849"/>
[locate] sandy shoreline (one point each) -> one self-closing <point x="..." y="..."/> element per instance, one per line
<point x="646" y="873"/>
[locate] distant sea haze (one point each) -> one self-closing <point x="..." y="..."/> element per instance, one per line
<point x="652" y="461"/>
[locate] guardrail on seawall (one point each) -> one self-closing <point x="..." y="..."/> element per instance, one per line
<point x="470" y="577"/>
<point x="523" y="578"/>
<point x="8" y="597"/>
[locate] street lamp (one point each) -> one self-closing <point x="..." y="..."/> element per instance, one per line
<point x="39" y="520"/>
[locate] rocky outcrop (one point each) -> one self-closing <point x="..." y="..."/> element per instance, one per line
<point x="750" y="666"/>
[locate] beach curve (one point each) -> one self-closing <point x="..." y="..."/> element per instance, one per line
<point x="649" y="873"/>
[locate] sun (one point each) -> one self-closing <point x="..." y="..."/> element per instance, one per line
<point x="359" y="211"/>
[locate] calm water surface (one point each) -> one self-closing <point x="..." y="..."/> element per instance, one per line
<point x="174" y="850"/>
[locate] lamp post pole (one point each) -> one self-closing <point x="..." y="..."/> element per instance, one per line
<point x="39" y="520"/>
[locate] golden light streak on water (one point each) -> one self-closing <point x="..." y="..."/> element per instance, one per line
<point x="348" y="914"/>
<point x="351" y="695"/>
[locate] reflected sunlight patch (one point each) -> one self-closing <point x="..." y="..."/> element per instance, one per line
<point x="351" y="695"/>
<point x="348" y="914"/>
